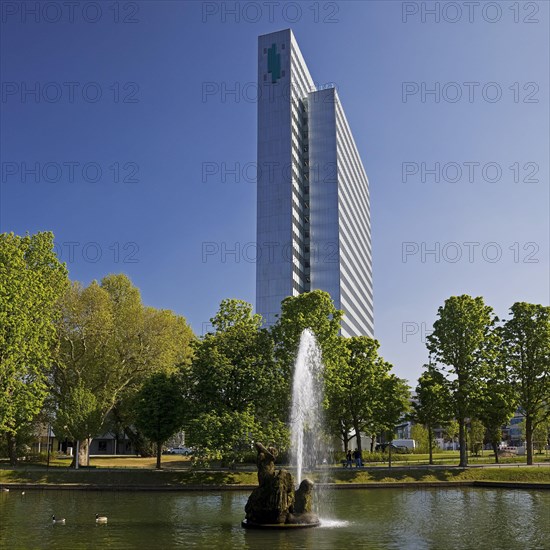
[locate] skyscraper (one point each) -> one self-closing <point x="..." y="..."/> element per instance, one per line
<point x="313" y="218"/>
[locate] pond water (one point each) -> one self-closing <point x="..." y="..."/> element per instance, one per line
<point x="354" y="518"/>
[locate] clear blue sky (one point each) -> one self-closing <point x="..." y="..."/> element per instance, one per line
<point x="167" y="115"/>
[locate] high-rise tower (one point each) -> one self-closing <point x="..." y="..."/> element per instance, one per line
<point x="313" y="219"/>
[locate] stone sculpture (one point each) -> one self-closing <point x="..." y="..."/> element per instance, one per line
<point x="275" y="503"/>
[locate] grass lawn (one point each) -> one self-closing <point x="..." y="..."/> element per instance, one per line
<point x="127" y="477"/>
<point x="515" y="474"/>
<point x="138" y="472"/>
<point x="168" y="461"/>
<point x="451" y="458"/>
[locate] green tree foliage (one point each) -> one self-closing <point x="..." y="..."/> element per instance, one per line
<point x="420" y="435"/>
<point x="160" y="408"/>
<point x="314" y="310"/>
<point x="541" y="435"/>
<point x="393" y="406"/>
<point x="354" y="388"/>
<point x="79" y="415"/>
<point x="227" y="435"/>
<point x="433" y="403"/>
<point x="464" y="343"/>
<point x="526" y="337"/>
<point x="146" y="340"/>
<point x="476" y="435"/>
<point x="31" y="281"/>
<point x="497" y="404"/>
<point x="109" y="343"/>
<point x="235" y="381"/>
<point x="451" y="431"/>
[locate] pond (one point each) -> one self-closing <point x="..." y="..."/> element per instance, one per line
<point x="353" y="518"/>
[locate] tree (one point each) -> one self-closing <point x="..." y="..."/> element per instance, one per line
<point x="476" y="435"/>
<point x="526" y="338"/>
<point x="84" y="355"/>
<point x="234" y="380"/>
<point x="163" y="343"/>
<point x="160" y="409"/>
<point x="496" y="405"/>
<point x="229" y="435"/>
<point x="31" y="281"/>
<point x="394" y="404"/>
<point x="463" y="341"/>
<point x="423" y="442"/>
<point x="451" y="431"/>
<point x="313" y="310"/>
<point x="78" y="416"/>
<point x="354" y="386"/>
<point x="109" y="343"/>
<point x="433" y="402"/>
<point x="541" y="435"/>
<point x="316" y="311"/>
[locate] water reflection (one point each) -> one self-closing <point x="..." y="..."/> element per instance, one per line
<point x="377" y="518"/>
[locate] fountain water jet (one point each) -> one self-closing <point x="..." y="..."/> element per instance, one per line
<point x="306" y="416"/>
<point x="276" y="503"/>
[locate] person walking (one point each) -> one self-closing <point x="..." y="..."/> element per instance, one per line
<point x="348" y="458"/>
<point x="357" y="457"/>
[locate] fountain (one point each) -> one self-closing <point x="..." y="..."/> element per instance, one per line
<point x="276" y="503"/>
<point x="306" y="417"/>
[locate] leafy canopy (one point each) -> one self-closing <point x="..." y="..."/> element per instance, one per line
<point x="31" y="281"/>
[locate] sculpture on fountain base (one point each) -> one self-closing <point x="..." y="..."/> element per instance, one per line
<point x="275" y="503"/>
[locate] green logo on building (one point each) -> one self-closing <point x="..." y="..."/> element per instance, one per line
<point x="274" y="63"/>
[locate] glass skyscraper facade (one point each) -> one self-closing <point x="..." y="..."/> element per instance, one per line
<point x="313" y="217"/>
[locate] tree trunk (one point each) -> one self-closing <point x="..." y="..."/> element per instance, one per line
<point x="389" y="453"/>
<point x="529" y="438"/>
<point x="357" y="435"/>
<point x="462" y="442"/>
<point x="159" y="453"/>
<point x="141" y="446"/>
<point x="81" y="453"/>
<point x="372" y="440"/>
<point x="345" y="440"/>
<point x="77" y="455"/>
<point x="84" y="452"/>
<point x="430" y="437"/>
<point x="12" y="449"/>
<point x="495" y="450"/>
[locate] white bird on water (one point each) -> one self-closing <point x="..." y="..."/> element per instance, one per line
<point x="100" y="519"/>
<point x="60" y="521"/>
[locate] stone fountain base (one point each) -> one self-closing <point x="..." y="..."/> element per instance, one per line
<point x="275" y="504"/>
<point x="311" y="522"/>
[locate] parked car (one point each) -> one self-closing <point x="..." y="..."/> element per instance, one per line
<point x="186" y="451"/>
<point x="395" y="448"/>
<point x="409" y="444"/>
